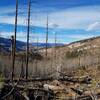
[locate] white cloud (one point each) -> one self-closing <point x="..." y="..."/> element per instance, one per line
<point x="22" y="36"/>
<point x="72" y="18"/>
<point x="94" y="26"/>
<point x="61" y="38"/>
<point x="6" y="10"/>
<point x="75" y="18"/>
<point x="11" y="20"/>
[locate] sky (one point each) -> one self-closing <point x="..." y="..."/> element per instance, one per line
<point x="71" y="20"/>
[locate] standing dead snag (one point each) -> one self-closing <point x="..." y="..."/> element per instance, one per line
<point x="28" y="32"/>
<point x="47" y="37"/>
<point x="14" y="49"/>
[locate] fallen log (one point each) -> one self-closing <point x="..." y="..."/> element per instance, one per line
<point x="52" y="87"/>
<point x="84" y="79"/>
<point x="22" y="90"/>
<point x="24" y="80"/>
<point x="84" y="98"/>
<point x="79" y="92"/>
<point x="21" y="87"/>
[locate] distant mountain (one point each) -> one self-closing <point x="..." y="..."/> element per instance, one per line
<point x="48" y="44"/>
<point x="5" y="44"/>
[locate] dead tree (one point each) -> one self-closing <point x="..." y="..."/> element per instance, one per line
<point x="28" y="31"/>
<point x="14" y="49"/>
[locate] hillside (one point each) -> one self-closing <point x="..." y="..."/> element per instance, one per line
<point x="84" y="53"/>
<point x="5" y="45"/>
<point x="79" y="54"/>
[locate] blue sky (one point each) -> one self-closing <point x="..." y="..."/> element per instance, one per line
<point x="75" y="19"/>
